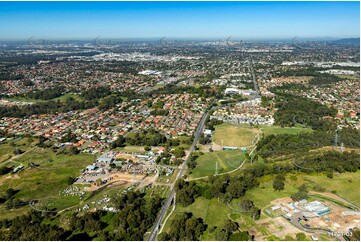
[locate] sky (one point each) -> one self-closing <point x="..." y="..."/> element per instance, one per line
<point x="189" y="20"/>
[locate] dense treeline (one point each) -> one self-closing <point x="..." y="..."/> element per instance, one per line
<point x="24" y="60"/>
<point x="284" y="144"/>
<point x="286" y="87"/>
<point x="331" y="161"/>
<point x="96" y="93"/>
<point x="203" y="92"/>
<point x="223" y="187"/>
<point x="48" y="107"/>
<point x="149" y="137"/>
<point x="184" y="227"/>
<point x="213" y="122"/>
<point x="325" y="79"/>
<point x="109" y="102"/>
<point x="292" y="110"/>
<point x="10" y="76"/>
<point x="46" y="94"/>
<point x="187" y="192"/>
<point x="136" y="215"/>
<point x="226" y="188"/>
<point x="126" y="67"/>
<point x="95" y="98"/>
<point x="119" y="142"/>
<point x="350" y="137"/>
<point x="31" y="227"/>
<point x="318" y="78"/>
<point x="307" y="71"/>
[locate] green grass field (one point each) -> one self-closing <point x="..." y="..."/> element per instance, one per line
<point x="233" y="135"/>
<point x="264" y="194"/>
<point x="346" y="185"/>
<point x="227" y="161"/>
<point x="36" y="183"/>
<point x="268" y="130"/>
<point x="6" y="148"/>
<point x="6" y="151"/>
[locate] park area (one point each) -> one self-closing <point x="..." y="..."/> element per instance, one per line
<point x="46" y="179"/>
<point x="242" y="135"/>
<point x="234" y="135"/>
<point x="226" y="160"/>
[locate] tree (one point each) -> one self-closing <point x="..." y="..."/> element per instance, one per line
<point x="301" y="237"/>
<point x="119" y="142"/>
<point x="186" y="227"/>
<point x="230" y="226"/>
<point x="329" y="173"/>
<point x="17" y="151"/>
<point x="74" y="151"/>
<point x="204" y="139"/>
<point x="221" y="235"/>
<point x="186" y="192"/>
<point x="246" y="205"/>
<point x="9" y="193"/>
<point x="256" y="214"/>
<point x="299" y="196"/>
<point x="4" y="170"/>
<point x="240" y="236"/>
<point x="179" y="153"/>
<point x="70" y="180"/>
<point x="164" y="236"/>
<point x="279" y="182"/>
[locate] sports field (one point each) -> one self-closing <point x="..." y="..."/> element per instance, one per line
<point x="227" y="161"/>
<point x="234" y="135"/>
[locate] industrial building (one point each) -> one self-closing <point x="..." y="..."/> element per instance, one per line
<point x="317" y="208"/>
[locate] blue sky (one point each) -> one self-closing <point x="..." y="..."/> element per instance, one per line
<point x="241" y="20"/>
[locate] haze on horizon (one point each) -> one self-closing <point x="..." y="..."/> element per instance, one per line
<point x="185" y="20"/>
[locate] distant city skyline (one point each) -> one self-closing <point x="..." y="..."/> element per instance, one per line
<point x="182" y="20"/>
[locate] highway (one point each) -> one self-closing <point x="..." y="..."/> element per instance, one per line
<point x="182" y="169"/>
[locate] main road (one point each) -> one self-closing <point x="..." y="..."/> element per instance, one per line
<point x="183" y="167"/>
<point x="251" y="70"/>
